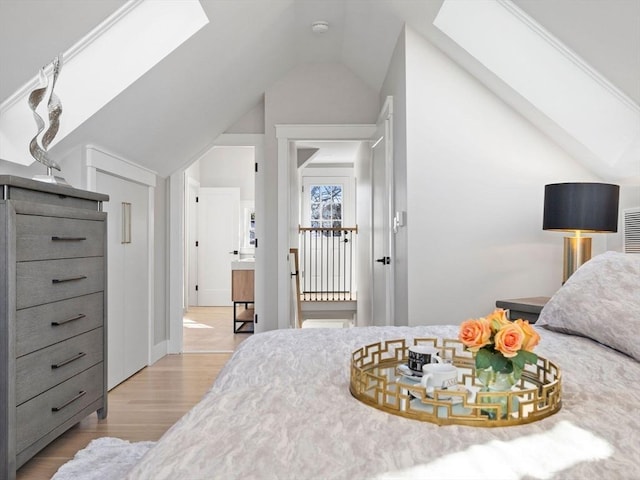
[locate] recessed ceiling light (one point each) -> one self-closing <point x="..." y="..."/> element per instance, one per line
<point x="320" y="27"/>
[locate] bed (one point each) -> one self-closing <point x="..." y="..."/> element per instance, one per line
<point x="281" y="407"/>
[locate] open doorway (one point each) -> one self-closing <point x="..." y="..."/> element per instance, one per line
<point x="219" y="237"/>
<point x="327" y="245"/>
<point x="374" y="220"/>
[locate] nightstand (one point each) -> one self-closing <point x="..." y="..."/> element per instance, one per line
<point x="525" y="308"/>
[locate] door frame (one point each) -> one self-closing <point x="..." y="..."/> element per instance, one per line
<point x="191" y="236"/>
<point x="98" y="159"/>
<point x="176" y="239"/>
<point x="386" y="119"/>
<point x="288" y="180"/>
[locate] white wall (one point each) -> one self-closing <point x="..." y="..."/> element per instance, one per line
<point x="10" y="168"/>
<point x="193" y="171"/>
<point x="250" y="122"/>
<point x="476" y="172"/>
<point x="161" y="329"/>
<point x="229" y="167"/>
<point x="309" y="94"/>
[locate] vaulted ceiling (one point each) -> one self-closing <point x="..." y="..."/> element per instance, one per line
<point x="174" y="112"/>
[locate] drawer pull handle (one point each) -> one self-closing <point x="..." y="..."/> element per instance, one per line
<point x="67" y="239"/>
<point x="68" y="360"/>
<point x="69" y="279"/>
<point x="80" y="394"/>
<point x="62" y="322"/>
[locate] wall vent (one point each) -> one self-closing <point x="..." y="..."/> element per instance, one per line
<point x="631" y="229"/>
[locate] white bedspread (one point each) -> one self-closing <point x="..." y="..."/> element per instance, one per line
<point x="281" y="409"/>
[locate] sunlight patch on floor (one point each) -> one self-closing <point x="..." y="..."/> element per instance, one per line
<point x="186" y="323"/>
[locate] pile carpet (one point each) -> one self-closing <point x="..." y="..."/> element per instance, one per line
<point x="104" y="458"/>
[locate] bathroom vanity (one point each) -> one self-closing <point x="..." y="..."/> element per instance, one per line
<point x="242" y="295"/>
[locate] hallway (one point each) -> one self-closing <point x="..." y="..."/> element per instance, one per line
<point x="210" y="330"/>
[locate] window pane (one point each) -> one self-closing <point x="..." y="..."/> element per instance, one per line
<point x="336" y="211"/>
<point x="315" y="211"/>
<point x="326" y="206"/>
<point x="315" y="194"/>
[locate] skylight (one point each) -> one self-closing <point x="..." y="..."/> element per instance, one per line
<point x="550" y="77"/>
<point x="100" y="66"/>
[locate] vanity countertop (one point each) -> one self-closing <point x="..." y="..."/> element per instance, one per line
<point x="244" y="264"/>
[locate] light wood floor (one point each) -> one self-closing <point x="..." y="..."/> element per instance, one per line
<point x="210" y="329"/>
<point x="147" y="404"/>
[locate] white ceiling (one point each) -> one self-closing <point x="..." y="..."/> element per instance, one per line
<point x="174" y="112"/>
<point x="331" y="152"/>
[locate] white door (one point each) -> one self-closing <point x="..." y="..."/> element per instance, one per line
<point x="218" y="238"/>
<point x="128" y="277"/>
<point x="382" y="213"/>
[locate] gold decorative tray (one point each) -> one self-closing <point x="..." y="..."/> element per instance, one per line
<point x="377" y="380"/>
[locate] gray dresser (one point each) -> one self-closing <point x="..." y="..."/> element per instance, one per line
<point x="52" y="314"/>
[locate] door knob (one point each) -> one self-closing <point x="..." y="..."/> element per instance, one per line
<point x="384" y="260"/>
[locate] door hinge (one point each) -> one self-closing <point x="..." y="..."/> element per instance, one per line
<point x="256" y="243"/>
<point x="197" y="199"/>
<point x="196" y="288"/>
<point x="197" y="243"/>
<point x="255" y="318"/>
<point x="256" y="167"/>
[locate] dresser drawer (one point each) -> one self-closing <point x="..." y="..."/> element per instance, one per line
<point x="48" y="238"/>
<point x="52" y="280"/>
<point x="41" y="370"/>
<point x="39" y="416"/>
<point x="44" y="325"/>
<point x="61" y="200"/>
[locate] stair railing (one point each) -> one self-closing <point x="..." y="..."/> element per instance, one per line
<point x="327" y="263"/>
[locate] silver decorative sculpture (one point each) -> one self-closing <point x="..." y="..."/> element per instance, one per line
<point x="39" y="144"/>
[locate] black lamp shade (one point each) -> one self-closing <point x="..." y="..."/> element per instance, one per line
<point x="589" y="207"/>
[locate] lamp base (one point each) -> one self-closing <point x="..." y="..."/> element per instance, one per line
<point x="577" y="250"/>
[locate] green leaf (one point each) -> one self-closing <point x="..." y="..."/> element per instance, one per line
<point x="501" y="364"/>
<point x="529" y="357"/>
<point x="519" y="360"/>
<point x="483" y="359"/>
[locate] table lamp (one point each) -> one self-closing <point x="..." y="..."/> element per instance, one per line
<point x="580" y="207"/>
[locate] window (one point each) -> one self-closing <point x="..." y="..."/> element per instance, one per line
<point x="326" y="207"/>
<point x="551" y="78"/>
<point x="133" y="40"/>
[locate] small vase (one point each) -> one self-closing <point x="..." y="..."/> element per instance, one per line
<point x="492" y="381"/>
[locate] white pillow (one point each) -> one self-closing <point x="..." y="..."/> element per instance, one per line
<point x="601" y="301"/>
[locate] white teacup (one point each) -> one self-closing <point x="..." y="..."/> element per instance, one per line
<point x="420" y="355"/>
<point x="439" y="376"/>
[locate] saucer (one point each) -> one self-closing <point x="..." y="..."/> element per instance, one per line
<point x="406" y="372"/>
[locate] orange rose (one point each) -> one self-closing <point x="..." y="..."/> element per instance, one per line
<point x="498" y="318"/>
<point x="531" y="337"/>
<point x="508" y="340"/>
<point x="475" y="333"/>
